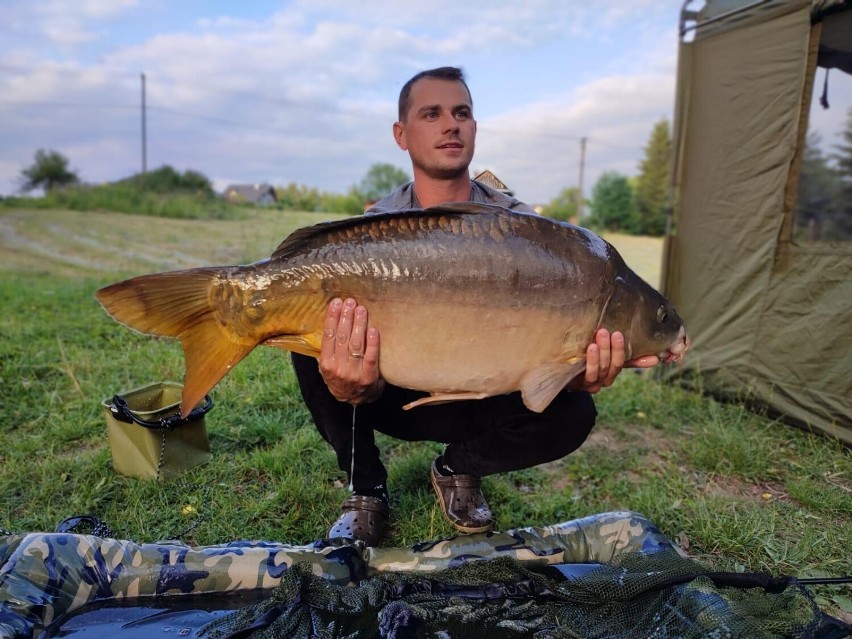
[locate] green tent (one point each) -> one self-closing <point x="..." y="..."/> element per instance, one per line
<point x="765" y="299"/>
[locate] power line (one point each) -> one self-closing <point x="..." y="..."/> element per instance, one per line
<point x="217" y="120"/>
<point x="254" y="96"/>
<point x="69" y="105"/>
<point x="249" y="125"/>
<point x="290" y="104"/>
<point x="152" y="83"/>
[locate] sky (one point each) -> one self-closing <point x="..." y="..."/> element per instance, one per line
<point x="305" y="91"/>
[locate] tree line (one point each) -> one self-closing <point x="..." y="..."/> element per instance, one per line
<point x="634" y="205"/>
<point x="824" y="194"/>
<point x="618" y="203"/>
<point x="167" y="192"/>
<point x="622" y="204"/>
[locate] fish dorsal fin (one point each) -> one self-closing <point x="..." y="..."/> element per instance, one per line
<point x="541" y="385"/>
<point x="304" y="237"/>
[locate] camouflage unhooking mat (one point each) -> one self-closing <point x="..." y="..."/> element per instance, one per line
<point x="342" y="589"/>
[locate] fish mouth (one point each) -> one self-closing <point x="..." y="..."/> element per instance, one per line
<point x="678" y="349"/>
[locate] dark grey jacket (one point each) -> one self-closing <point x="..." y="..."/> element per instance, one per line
<point x="404" y="198"/>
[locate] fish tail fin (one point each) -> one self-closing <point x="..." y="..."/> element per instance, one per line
<point x="177" y="304"/>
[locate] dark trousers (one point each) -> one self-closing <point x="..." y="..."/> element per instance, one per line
<point x="487" y="436"/>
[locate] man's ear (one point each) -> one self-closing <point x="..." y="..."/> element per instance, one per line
<point x="399" y="135"/>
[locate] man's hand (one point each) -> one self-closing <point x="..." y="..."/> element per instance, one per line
<point x="604" y="361"/>
<point x="349" y="355"/>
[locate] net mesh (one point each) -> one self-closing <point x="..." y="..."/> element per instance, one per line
<point x="502" y="599"/>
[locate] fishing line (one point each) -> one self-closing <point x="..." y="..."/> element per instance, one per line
<point x="352" y="463"/>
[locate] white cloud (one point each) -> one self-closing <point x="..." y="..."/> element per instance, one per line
<point x="308" y="94"/>
<point x="536" y="149"/>
<point x="70" y="24"/>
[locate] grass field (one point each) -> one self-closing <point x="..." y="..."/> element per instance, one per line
<point x="735" y="489"/>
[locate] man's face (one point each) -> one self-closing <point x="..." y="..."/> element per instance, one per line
<point x="439" y="131"/>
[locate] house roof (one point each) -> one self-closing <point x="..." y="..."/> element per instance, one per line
<point x="249" y="192"/>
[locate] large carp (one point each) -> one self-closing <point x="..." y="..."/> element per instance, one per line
<point x="470" y="301"/>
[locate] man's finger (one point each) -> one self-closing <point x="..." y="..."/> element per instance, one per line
<point x="646" y="361"/>
<point x="370" y="362"/>
<point x="358" y="336"/>
<point x="593" y="360"/>
<point x="329" y="331"/>
<point x="617" y="355"/>
<point x="344" y="329"/>
<point x="602" y="339"/>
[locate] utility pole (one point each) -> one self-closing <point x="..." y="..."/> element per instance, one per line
<point x="144" y="134"/>
<point x="580" y="187"/>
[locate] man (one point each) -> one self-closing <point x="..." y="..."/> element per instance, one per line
<point x="498" y="434"/>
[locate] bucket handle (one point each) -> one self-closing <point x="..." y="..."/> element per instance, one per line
<point x="121" y="411"/>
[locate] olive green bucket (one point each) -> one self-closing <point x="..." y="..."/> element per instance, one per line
<point x="147" y="436"/>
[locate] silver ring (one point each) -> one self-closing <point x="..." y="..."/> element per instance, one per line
<point x="356" y="355"/>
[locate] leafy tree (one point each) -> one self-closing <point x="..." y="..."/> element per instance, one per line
<point x="844" y="155"/>
<point x="843" y="158"/>
<point x="196" y="181"/>
<point x="614" y="204"/>
<point x="298" y="197"/>
<point x="166" y="179"/>
<point x="652" y="185"/>
<point x="352" y="203"/>
<point x="48" y="170"/>
<point x="380" y="180"/>
<point x="564" y="205"/>
<point x="818" y="191"/>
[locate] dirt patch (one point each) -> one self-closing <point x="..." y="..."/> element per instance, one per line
<point x="640" y="437"/>
<point x="601" y="437"/>
<point x="734" y="488"/>
<point x="651" y="443"/>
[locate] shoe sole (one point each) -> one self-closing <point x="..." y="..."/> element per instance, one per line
<point x="469" y="530"/>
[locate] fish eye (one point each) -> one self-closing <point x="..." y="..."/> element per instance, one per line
<point x="662" y="314"/>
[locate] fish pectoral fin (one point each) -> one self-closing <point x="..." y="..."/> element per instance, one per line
<point x="296" y="343"/>
<point x="444" y="398"/>
<point x="541" y="385"/>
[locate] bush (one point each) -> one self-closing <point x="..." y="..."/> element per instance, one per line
<point x="163" y="192"/>
<point x="166" y="179"/>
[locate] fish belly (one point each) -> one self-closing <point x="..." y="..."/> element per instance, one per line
<point x="442" y="347"/>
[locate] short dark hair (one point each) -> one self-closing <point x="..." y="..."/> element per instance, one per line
<point x="441" y="73"/>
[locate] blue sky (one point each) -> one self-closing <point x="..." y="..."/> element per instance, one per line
<point x="306" y="91"/>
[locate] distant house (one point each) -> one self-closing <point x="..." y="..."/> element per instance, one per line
<point x="260" y="194"/>
<point x="489" y="179"/>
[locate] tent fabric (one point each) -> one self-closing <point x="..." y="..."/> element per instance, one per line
<point x="719" y="15"/>
<point x="723" y="15"/>
<point x="768" y="318"/>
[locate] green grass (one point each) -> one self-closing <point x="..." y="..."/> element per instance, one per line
<point x="739" y="490"/>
